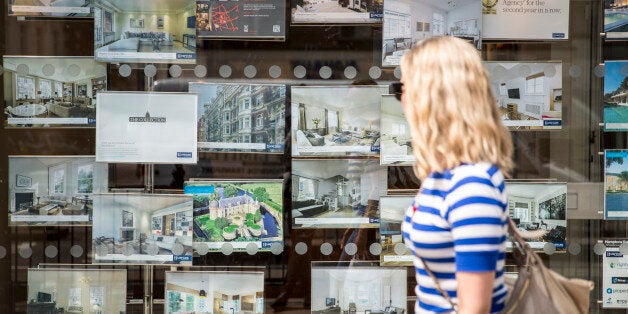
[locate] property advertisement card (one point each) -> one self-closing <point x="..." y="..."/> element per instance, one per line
<point x="52" y="290"/>
<point x="241" y="19"/>
<point x="359" y="288"/>
<point x="51" y="91"/>
<point x="54" y="190"/>
<point x="202" y="292"/>
<point x="616" y="184"/>
<point x="52" y="8"/>
<point x="146" y="127"/>
<point x="337" y="193"/>
<point x="237" y="213"/>
<point x="616" y="19"/>
<point x="615" y="96"/>
<point x="145" y="31"/>
<point x="525" y="19"/>
<point x="534" y="206"/>
<point x="336" y="11"/>
<point x="142" y="229"/>
<point x="529" y="94"/>
<point x="241" y="117"/>
<point x="408" y="21"/>
<point x="336" y="120"/>
<point x="615" y="274"/>
<point x="394" y="251"/>
<point x="396" y="144"/>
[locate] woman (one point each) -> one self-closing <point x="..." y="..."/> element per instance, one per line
<point x="458" y="222"/>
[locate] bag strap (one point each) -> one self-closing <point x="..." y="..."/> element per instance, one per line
<point x="440" y="290"/>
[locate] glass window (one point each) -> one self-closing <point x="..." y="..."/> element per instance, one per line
<point x="85" y="179"/>
<point x="57" y="179"/>
<point x="25" y="87"/>
<point x="535" y="84"/>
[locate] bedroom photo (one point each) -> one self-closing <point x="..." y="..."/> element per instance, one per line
<point x="336" y="193"/>
<point x="396" y="143"/>
<point x="336" y="120"/>
<point x="52" y="8"/>
<point x="150" y="31"/>
<point x="392" y="212"/>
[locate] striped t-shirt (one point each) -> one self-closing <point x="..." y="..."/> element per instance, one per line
<point x="458" y="222"/>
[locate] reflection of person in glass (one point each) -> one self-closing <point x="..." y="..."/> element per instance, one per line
<point x="457" y="225"/>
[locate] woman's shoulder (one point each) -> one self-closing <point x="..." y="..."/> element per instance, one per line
<point x="479" y="171"/>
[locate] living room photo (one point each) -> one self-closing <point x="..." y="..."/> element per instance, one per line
<point x="51" y="191"/>
<point x="336" y="120"/>
<point x="336" y="193"/>
<point x="51" y="91"/>
<point x="392" y="212"/>
<point x="132" y="228"/>
<point x="157" y="31"/>
<point x="408" y="21"/>
<point x="214" y="292"/>
<point x="396" y="143"/>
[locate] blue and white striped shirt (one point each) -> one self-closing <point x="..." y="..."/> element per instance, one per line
<point x="458" y="222"/>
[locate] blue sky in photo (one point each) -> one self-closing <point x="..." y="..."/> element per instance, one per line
<point x="205" y="93"/>
<point x="613" y="76"/>
<point x="615" y="167"/>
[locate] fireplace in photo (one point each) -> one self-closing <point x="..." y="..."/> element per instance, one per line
<point x="127" y="234"/>
<point x="23" y="200"/>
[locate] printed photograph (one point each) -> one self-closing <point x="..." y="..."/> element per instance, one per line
<point x="215" y="292"/>
<point x="337" y="11"/>
<point x="392" y="213"/>
<point x="76" y="291"/>
<point x="408" y="21"/>
<point x="148" y="31"/>
<point x="238" y="213"/>
<point x="240" y="117"/>
<point x="616" y="184"/>
<point x="51" y="91"/>
<point x="54" y="190"/>
<point x="336" y="193"/>
<point x="534" y="206"/>
<point x="359" y="289"/>
<point x="396" y="143"/>
<point x="142" y="228"/>
<point x="336" y="120"/>
<point x="241" y="19"/>
<point x="616" y="19"/>
<point x="616" y="96"/>
<point x="529" y="94"/>
<point x="52" y="8"/>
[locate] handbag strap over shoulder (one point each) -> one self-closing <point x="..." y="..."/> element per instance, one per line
<point x="438" y="287"/>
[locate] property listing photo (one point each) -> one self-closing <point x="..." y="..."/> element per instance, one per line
<point x="615" y="96"/>
<point x="151" y="31"/>
<point x="76" y="291"/>
<point x="336" y="120"/>
<point x="529" y="94"/>
<point x="52" y="8"/>
<point x="337" y="193"/>
<point x="616" y="184"/>
<point x="616" y="19"/>
<point x="358" y="289"/>
<point x="51" y="91"/>
<point x="396" y="141"/>
<point x="214" y="292"/>
<point x="54" y="190"/>
<point x="392" y="213"/>
<point x="337" y="11"/>
<point x="408" y="21"/>
<point x="142" y="228"/>
<point x="241" y="117"/>
<point x="238" y="213"/>
<point x="534" y="206"/>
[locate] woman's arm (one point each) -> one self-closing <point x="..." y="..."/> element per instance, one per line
<point x="475" y="292"/>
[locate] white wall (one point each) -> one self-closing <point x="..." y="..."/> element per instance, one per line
<point x="540" y="99"/>
<point x="30" y="167"/>
<point x="463" y="13"/>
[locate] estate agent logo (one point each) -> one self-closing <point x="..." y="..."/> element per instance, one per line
<point x="148" y="118"/>
<point x="488" y="6"/>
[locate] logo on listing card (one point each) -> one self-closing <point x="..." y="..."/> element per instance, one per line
<point x="184" y="154"/>
<point x="181" y="258"/>
<point x="148" y="119"/>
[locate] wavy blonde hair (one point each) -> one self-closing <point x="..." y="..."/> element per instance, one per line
<point x="451" y="109"/>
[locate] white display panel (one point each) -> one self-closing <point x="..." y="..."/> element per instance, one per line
<point x="336" y="11"/>
<point x="615" y="274"/>
<point x="52" y="8"/>
<point x="146" y="127"/>
<point x="392" y="214"/>
<point x="525" y="20"/>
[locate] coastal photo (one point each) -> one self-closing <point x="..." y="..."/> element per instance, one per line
<point x="529" y="94"/>
<point x="238" y="213"/>
<point x="336" y="193"/>
<point x="534" y="206"/>
<point x="54" y="190"/>
<point x="336" y="120"/>
<point x="408" y="21"/>
<point x="359" y="289"/>
<point x="51" y="91"/>
<point x="616" y="19"/>
<point x="336" y="11"/>
<point x="142" y="228"/>
<point x="214" y="292"/>
<point x="396" y="143"/>
<point x="52" y="8"/>
<point x="145" y="31"/>
<point x="616" y="96"/>
<point x="52" y="290"/>
<point x="392" y="213"/>
<point x="616" y="184"/>
<point x="240" y="117"/>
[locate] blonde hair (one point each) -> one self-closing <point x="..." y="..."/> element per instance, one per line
<point x="451" y="109"/>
